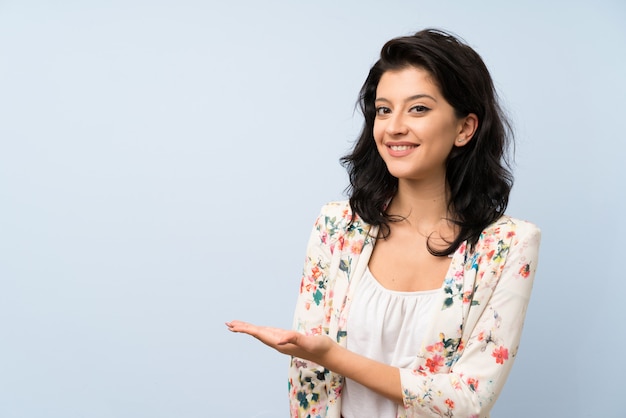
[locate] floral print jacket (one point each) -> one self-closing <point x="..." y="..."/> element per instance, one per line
<point x="472" y="342"/>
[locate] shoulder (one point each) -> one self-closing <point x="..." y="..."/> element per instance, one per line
<point x="509" y="228"/>
<point x="508" y="239"/>
<point x="338" y="221"/>
<point x="508" y="242"/>
<point x="340" y="208"/>
<point x="339" y="214"/>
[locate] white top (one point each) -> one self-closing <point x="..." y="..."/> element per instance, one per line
<point x="387" y="326"/>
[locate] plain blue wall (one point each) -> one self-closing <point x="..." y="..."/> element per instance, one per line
<point x="162" y="162"/>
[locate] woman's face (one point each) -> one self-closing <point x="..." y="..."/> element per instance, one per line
<point x="415" y="127"/>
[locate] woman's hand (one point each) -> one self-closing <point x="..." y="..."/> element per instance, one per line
<point x="309" y="347"/>
<point x="322" y="350"/>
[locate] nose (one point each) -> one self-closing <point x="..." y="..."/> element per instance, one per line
<point x="396" y="125"/>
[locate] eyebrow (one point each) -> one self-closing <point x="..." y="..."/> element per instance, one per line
<point x="408" y="99"/>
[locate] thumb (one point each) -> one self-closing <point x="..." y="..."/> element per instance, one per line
<point x="291" y="338"/>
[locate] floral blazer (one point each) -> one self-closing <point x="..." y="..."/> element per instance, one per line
<point x="473" y="340"/>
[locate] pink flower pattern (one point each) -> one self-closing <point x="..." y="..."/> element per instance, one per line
<point x="458" y="372"/>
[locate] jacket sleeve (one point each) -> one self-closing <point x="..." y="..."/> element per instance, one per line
<point x="307" y="380"/>
<point x="484" y="355"/>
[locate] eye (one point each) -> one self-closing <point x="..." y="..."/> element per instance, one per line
<point x="382" y="110"/>
<point x="419" y="109"/>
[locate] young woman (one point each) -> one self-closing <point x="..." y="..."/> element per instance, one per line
<point x="414" y="292"/>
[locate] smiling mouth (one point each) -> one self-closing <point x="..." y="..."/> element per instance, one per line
<point x="402" y="147"/>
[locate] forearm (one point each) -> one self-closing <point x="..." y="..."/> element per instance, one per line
<point x="379" y="377"/>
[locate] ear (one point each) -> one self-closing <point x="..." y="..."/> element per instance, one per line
<point x="467" y="128"/>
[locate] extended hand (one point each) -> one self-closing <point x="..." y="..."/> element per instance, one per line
<point x="309" y="347"/>
<point x="322" y="350"/>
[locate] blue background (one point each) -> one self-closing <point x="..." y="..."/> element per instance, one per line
<point x="162" y="163"/>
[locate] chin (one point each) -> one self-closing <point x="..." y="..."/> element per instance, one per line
<point x="400" y="173"/>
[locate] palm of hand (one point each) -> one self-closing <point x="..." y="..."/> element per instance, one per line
<point x="293" y="343"/>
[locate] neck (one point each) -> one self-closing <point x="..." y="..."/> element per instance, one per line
<point x="421" y="204"/>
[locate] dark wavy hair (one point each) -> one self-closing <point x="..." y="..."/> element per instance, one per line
<point x="478" y="174"/>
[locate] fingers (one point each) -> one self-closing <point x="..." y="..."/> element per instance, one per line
<point x="285" y="341"/>
<point x="239" y="326"/>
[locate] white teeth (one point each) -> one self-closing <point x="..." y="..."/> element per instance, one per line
<point x="402" y="147"/>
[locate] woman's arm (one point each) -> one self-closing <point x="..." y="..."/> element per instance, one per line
<point x="321" y="350"/>
<point x="473" y="383"/>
